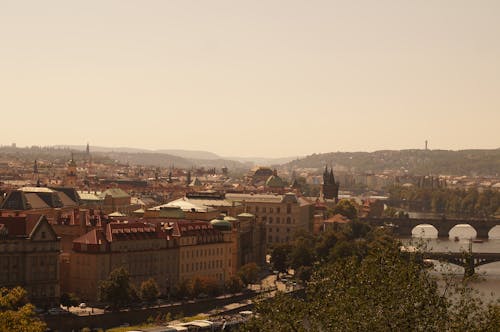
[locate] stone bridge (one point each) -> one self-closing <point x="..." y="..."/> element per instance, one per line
<point x="403" y="227"/>
<point x="469" y="260"/>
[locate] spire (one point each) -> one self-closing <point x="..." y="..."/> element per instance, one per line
<point x="88" y="149"/>
<point x="35" y="167"/>
<point x="332" y="178"/>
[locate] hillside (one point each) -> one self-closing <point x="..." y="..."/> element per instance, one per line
<point x="421" y="162"/>
<point x="122" y="155"/>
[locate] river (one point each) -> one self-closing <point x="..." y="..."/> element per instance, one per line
<point x="488" y="283"/>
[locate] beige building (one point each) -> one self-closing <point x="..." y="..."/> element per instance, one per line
<point x="29" y="257"/>
<point x="145" y="250"/>
<point x="282" y="215"/>
<point x="206" y="250"/>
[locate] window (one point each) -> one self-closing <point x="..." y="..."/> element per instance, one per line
<point x="270" y="220"/>
<point x="277" y="230"/>
<point x="43" y="235"/>
<point x="278" y="210"/>
<point x="271" y="210"/>
<point x="263" y="209"/>
<point x="256" y="209"/>
<point x="270" y="239"/>
<point x="264" y="219"/>
<point x="288" y="220"/>
<point x="277" y="220"/>
<point x="289" y="208"/>
<point x="288" y="230"/>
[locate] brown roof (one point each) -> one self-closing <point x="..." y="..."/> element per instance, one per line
<point x="20" y="226"/>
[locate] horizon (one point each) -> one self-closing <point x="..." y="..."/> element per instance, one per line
<point x="252" y="80"/>
<point x="82" y="147"/>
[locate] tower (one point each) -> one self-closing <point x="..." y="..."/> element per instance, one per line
<point x="330" y="187"/>
<point x="70" y="179"/>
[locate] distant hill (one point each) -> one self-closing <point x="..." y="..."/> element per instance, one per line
<point x="262" y="161"/>
<point x="131" y="156"/>
<point x="190" y="154"/>
<point x="446" y="162"/>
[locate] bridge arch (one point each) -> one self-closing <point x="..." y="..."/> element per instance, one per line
<point x="425" y="231"/>
<point x="494" y="233"/>
<point x="462" y="231"/>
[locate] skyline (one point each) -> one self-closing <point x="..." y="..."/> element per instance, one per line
<point x="273" y="79"/>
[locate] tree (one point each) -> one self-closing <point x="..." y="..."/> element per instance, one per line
<point x="116" y="290"/>
<point x="16" y="313"/>
<point x="249" y="273"/>
<point x="68" y="300"/>
<point x="346" y="208"/>
<point x="385" y="290"/>
<point x="149" y="290"/>
<point x="279" y="257"/>
<point x="234" y="284"/>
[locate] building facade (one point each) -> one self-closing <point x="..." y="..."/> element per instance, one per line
<point x="282" y="215"/>
<point x="29" y="257"/>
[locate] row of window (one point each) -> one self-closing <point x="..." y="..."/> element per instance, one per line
<point x="272" y="210"/>
<point x="203" y="252"/>
<point x="270" y="230"/>
<point x="198" y="266"/>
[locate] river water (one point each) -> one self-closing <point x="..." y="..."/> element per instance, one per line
<point x="488" y="283"/>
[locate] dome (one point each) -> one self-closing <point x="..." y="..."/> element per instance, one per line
<point x="229" y="218"/>
<point x="274" y="181"/>
<point x="246" y="215"/>
<point x="221" y="224"/>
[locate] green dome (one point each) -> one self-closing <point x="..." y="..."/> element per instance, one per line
<point x="221" y="225"/>
<point x="274" y="181"/>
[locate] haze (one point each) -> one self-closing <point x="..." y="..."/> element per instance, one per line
<point x="254" y="78"/>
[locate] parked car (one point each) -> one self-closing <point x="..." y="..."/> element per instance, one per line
<point x="55" y="311"/>
<point x="82" y="305"/>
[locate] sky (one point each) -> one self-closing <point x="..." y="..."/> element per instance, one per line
<point x="251" y="78"/>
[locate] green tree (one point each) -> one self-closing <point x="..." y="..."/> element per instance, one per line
<point x="69" y="299"/>
<point x="279" y="257"/>
<point x="16" y="313"/>
<point x="346" y="208"/>
<point x="249" y="273"/>
<point x="116" y="290"/>
<point x="385" y="290"/>
<point x="149" y="290"/>
<point x="234" y="284"/>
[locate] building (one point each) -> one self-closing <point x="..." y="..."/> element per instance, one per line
<point x="57" y="204"/>
<point x="70" y="178"/>
<point x="145" y="250"/>
<point x="207" y="250"/>
<point x="282" y="215"/>
<point x="330" y="187"/>
<point x="29" y="257"/>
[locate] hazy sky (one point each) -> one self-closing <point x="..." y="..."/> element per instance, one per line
<point x="251" y="78"/>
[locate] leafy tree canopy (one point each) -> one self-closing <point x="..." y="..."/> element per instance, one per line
<point x="16" y="314"/>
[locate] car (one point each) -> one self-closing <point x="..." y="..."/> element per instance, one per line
<point x="55" y="311"/>
<point x="82" y="305"/>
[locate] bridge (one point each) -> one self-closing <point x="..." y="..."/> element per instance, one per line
<point x="468" y="260"/>
<point x="403" y="227"/>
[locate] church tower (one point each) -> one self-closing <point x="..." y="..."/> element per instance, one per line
<point x="70" y="179"/>
<point x="330" y="187"/>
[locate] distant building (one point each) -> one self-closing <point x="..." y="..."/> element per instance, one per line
<point x="282" y="215"/>
<point x="57" y="204"/>
<point x="70" y="179"/>
<point x="29" y="257"/>
<point x="145" y="250"/>
<point x="330" y="187"/>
